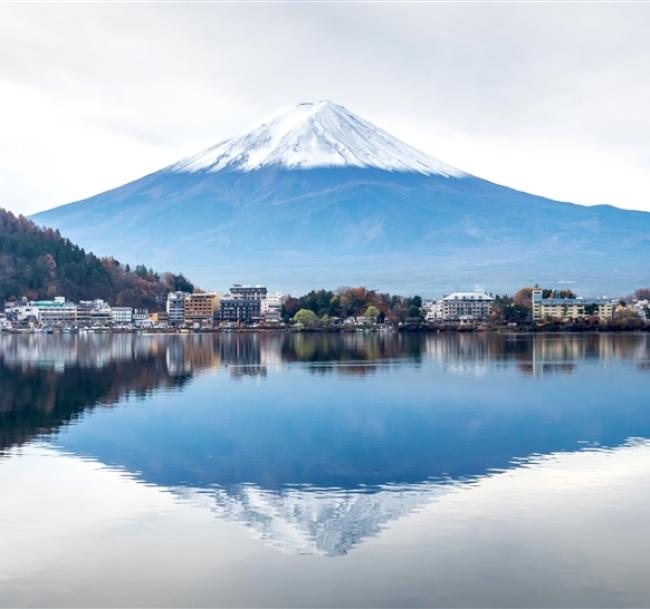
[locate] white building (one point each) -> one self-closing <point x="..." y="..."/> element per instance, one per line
<point x="141" y="317"/>
<point x="93" y="313"/>
<point x="21" y="312"/>
<point x="271" y="308"/>
<point x="57" y="312"/>
<point x="432" y="310"/>
<point x="642" y="308"/>
<point x="465" y="306"/>
<point x="176" y="307"/>
<point x="122" y="315"/>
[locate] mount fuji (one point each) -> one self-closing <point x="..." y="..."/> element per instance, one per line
<point x="315" y="196"/>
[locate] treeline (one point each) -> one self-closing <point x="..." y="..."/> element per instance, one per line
<point x="321" y="306"/>
<point x="39" y="263"/>
<point x="353" y="302"/>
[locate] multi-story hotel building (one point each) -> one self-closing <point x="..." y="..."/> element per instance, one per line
<point x="570" y="308"/>
<point x="200" y="308"/>
<point x="461" y="307"/>
<point x="243" y="304"/>
<point x="57" y="312"/>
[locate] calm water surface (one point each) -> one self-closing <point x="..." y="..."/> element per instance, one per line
<point x="349" y="471"/>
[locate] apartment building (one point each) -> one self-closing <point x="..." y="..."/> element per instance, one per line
<point x="244" y="304"/>
<point x="570" y="308"/>
<point x="122" y="315"/>
<point x="176" y="307"/>
<point x="201" y="308"/>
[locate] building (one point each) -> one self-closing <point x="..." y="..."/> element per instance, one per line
<point x="244" y="310"/>
<point x="244" y="304"/>
<point x="160" y="318"/>
<point x="57" y="312"/>
<point x="271" y="308"/>
<point x="176" y="307"/>
<point x="432" y="310"/>
<point x="141" y="317"/>
<point x="200" y="308"/>
<point x="122" y="316"/>
<point x="570" y="308"/>
<point x="93" y="313"/>
<point x="642" y="308"/>
<point x="462" y="307"/>
<point x="248" y="291"/>
<point x="21" y="312"/>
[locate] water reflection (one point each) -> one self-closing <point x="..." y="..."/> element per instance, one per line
<point x="260" y="350"/>
<point x="318" y="442"/>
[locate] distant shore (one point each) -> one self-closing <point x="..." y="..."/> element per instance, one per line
<point x="371" y="329"/>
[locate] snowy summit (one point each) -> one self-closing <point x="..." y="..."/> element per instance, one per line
<point x="310" y="135"/>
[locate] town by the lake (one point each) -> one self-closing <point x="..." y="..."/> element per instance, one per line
<point x="255" y="307"/>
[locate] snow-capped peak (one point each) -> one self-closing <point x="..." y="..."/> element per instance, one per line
<point x="310" y="135"/>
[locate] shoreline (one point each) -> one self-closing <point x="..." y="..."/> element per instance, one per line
<point x="423" y="329"/>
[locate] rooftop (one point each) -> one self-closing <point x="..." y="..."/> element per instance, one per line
<point x="468" y="296"/>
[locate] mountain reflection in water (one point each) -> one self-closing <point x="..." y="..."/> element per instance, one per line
<point x="316" y="442"/>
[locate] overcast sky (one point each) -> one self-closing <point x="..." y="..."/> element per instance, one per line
<point x="553" y="99"/>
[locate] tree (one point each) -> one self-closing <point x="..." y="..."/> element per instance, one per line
<point x="39" y="263"/>
<point x="305" y="317"/>
<point x="524" y="297"/>
<point x="414" y="311"/>
<point x="372" y="313"/>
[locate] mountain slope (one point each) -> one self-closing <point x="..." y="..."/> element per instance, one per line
<point x="317" y="196"/>
<point x="39" y="263"/>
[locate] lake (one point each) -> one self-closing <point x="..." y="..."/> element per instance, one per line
<point x="318" y="470"/>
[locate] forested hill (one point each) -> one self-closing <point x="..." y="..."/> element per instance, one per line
<point x="40" y="263"/>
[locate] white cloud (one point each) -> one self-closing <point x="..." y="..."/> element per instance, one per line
<point x="551" y="99"/>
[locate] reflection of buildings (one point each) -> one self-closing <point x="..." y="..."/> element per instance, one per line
<point x="251" y="353"/>
<point x="561" y="353"/>
<point x="534" y="353"/>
